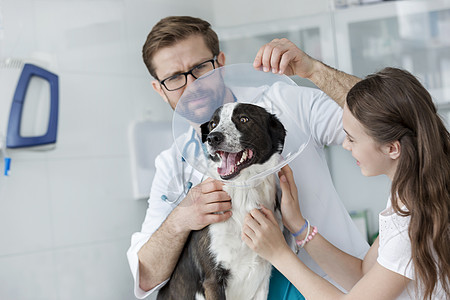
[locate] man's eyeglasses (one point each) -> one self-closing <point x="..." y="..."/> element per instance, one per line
<point x="178" y="81"/>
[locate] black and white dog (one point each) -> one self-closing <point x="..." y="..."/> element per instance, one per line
<point x="242" y="140"/>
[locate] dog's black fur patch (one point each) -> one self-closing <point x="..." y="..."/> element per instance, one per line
<point x="195" y="271"/>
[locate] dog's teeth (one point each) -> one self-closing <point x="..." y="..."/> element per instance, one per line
<point x="243" y="157"/>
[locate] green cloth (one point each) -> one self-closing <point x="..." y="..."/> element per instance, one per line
<point x="281" y="289"/>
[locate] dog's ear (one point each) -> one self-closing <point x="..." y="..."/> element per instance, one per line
<point x="205" y="131"/>
<point x="277" y="132"/>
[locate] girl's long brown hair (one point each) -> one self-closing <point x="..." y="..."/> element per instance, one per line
<point x="393" y="106"/>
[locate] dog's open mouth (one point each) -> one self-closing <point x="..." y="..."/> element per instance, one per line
<point x="233" y="163"/>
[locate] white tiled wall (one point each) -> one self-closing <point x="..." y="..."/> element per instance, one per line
<point x="67" y="215"/>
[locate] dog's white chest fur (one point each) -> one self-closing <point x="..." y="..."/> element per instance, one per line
<point x="250" y="274"/>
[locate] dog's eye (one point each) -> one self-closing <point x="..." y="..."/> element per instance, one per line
<point x="213" y="124"/>
<point x="244" y="119"/>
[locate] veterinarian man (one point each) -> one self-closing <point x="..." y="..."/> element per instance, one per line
<point x="177" y="51"/>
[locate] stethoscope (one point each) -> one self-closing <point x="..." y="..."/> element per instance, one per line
<point x="187" y="184"/>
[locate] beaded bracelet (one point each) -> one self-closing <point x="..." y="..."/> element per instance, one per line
<point x="301" y="229"/>
<point x="297" y="243"/>
<point x="308" y="237"/>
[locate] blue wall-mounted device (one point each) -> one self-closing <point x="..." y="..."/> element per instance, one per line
<point x="13" y="137"/>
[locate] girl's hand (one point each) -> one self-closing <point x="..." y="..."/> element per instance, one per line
<point x="262" y="234"/>
<point x="290" y="207"/>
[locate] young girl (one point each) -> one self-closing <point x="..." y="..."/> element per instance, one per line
<point x="392" y="128"/>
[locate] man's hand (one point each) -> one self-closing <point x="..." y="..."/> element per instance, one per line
<point x="284" y="57"/>
<point x="205" y="204"/>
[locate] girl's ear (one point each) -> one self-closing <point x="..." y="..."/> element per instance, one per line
<point x="394" y="150"/>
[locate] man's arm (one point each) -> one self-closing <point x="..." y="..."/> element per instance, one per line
<point x="284" y="57"/>
<point x="334" y="83"/>
<point x="158" y="257"/>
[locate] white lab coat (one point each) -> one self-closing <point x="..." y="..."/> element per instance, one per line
<point x="318" y="116"/>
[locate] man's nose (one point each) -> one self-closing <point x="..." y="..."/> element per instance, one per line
<point x="215" y="138"/>
<point x="189" y="79"/>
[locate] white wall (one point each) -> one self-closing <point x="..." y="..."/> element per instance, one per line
<point x="67" y="215"/>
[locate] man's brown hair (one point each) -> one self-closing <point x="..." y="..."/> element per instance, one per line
<point x="173" y="29"/>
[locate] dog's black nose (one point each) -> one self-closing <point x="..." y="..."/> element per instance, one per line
<point x="215" y="138"/>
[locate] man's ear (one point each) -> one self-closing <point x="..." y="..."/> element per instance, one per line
<point x="221" y="59"/>
<point x="394" y="150"/>
<point x="158" y="88"/>
<point x="205" y="131"/>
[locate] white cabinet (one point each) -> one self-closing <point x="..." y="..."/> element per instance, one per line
<point x="414" y="35"/>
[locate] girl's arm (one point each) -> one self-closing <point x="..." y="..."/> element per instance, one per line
<point x="342" y="267"/>
<point x="364" y="279"/>
<point x="262" y="234"/>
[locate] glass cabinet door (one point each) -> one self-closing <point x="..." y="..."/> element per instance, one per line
<point x="312" y="33"/>
<point x="413" y="35"/>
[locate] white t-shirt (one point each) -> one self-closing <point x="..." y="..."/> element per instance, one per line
<point x="318" y="116"/>
<point x="394" y="251"/>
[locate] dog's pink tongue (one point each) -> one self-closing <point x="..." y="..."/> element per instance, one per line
<point x="228" y="161"/>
